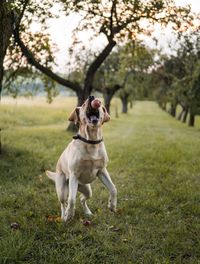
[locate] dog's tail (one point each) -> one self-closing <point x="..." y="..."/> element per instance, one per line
<point x="51" y="175"/>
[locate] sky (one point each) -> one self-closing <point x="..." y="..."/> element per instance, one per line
<point x="61" y="34"/>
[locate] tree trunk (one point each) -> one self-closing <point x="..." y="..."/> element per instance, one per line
<point x="185" y="115"/>
<point x="181" y="114"/>
<point x="94" y="66"/>
<point x="116" y="111"/>
<point x="107" y="101"/>
<point x="191" y="120"/>
<point x="72" y="127"/>
<point x="173" y="110"/>
<point x="81" y="97"/>
<point x="108" y="94"/>
<point x="5" y="34"/>
<point x="1" y="75"/>
<point x="164" y="106"/>
<point x="124" y="100"/>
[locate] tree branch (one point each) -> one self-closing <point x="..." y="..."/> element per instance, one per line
<point x="31" y="59"/>
<point x="113" y="8"/>
<point x="96" y="64"/>
<point x="22" y="13"/>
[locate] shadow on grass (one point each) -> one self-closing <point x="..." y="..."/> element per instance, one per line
<point x="20" y="165"/>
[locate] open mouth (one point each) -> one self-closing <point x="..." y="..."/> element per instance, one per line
<point x="92" y="114"/>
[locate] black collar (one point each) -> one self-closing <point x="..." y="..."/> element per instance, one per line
<point x="93" y="142"/>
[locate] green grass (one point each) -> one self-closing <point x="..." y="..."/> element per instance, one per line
<point x="154" y="162"/>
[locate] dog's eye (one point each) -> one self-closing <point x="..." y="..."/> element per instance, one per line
<point x="104" y="109"/>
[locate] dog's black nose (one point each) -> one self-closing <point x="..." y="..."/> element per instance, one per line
<point x="95" y="121"/>
<point x="91" y="98"/>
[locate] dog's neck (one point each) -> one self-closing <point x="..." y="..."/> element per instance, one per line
<point x="90" y="133"/>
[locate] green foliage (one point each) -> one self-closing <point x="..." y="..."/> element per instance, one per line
<point x="122" y="19"/>
<point x="25" y="82"/>
<point x="180" y="82"/>
<point x="154" y="162"/>
<point x="136" y="61"/>
<point x="16" y="82"/>
<point x="108" y="74"/>
<point x="50" y="88"/>
<point x="117" y="20"/>
<point x="128" y="67"/>
<point x="19" y="73"/>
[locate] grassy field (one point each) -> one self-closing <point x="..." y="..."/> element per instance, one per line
<point x="154" y="162"/>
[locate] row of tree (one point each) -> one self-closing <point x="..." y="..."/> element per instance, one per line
<point x="124" y="65"/>
<point x="179" y="78"/>
<point x="117" y="20"/>
<point x="124" y="73"/>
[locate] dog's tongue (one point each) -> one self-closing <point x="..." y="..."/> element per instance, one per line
<point x="96" y="103"/>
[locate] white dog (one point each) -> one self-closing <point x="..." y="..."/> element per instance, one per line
<point x="84" y="160"/>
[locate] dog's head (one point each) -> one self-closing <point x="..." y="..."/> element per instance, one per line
<point x="89" y="115"/>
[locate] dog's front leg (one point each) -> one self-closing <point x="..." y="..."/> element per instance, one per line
<point x="106" y="180"/>
<point x="73" y="186"/>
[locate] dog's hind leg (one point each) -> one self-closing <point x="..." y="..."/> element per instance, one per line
<point x="62" y="192"/>
<point x="86" y="194"/>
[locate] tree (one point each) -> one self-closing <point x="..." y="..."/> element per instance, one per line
<point x="181" y="77"/>
<point x="125" y="71"/>
<point x="6" y="32"/>
<point x="190" y="84"/>
<point x="136" y="59"/>
<point x="114" y="19"/>
<point x="17" y="67"/>
<point x="107" y="79"/>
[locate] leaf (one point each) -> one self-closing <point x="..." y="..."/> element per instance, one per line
<point x="114" y="228"/>
<point x="15" y="226"/>
<point x="53" y="218"/>
<point x="119" y="210"/>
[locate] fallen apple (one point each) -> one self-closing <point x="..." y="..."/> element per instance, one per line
<point x="86" y="222"/>
<point x="96" y="103"/>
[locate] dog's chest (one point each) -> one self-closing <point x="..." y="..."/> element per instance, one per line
<point x="86" y="162"/>
<point x="88" y="169"/>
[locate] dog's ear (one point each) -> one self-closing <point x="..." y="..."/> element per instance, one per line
<point x="74" y="116"/>
<point x="106" y="115"/>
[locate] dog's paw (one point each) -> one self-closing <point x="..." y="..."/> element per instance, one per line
<point x="112" y="207"/>
<point x="112" y="204"/>
<point x="68" y="216"/>
<point x="88" y="213"/>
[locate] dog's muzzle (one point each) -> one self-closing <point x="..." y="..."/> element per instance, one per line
<point x="91" y="113"/>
